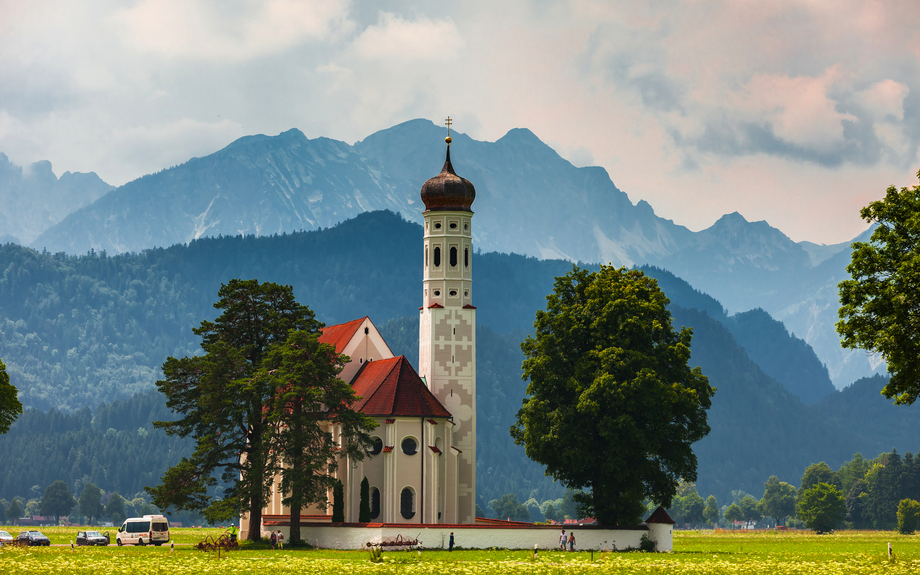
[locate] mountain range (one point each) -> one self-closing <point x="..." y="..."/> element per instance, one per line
<point x="530" y="201"/>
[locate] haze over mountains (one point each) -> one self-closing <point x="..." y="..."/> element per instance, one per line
<point x="32" y="199"/>
<point x="529" y="201"/>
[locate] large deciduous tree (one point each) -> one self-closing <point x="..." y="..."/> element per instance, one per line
<point x="612" y="405"/>
<point x="221" y="401"/>
<point x="821" y="507"/>
<point x="57" y="500"/>
<point x="10" y="406"/>
<point x="778" y="500"/>
<point x="91" y="502"/>
<point x="309" y="403"/>
<point x="880" y="304"/>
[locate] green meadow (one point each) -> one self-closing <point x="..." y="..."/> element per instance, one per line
<point x="700" y="553"/>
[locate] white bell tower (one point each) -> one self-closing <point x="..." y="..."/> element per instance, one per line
<point x="447" y="325"/>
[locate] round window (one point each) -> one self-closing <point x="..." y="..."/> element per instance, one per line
<point x="409" y="446"/>
<point x="437" y="226"/>
<point x="376" y="446"/>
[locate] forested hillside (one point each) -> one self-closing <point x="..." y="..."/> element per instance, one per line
<point x="114" y="447"/>
<point x="79" y="331"/>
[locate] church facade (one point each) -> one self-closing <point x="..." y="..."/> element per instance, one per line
<point x="422" y="468"/>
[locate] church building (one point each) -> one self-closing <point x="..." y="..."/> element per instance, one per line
<point x="422" y="468"/>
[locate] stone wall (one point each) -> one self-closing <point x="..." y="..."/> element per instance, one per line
<point x="482" y="536"/>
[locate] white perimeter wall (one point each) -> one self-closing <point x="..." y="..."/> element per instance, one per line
<point x="482" y="537"/>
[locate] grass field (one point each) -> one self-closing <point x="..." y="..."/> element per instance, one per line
<point x="703" y="553"/>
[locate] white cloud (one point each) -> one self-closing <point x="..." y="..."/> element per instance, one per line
<point x="226" y="32"/>
<point x="394" y="39"/>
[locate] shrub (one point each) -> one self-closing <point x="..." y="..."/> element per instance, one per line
<point x="646" y="544"/>
<point x="908" y="516"/>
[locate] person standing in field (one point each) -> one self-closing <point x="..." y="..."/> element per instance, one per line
<point x="562" y="540"/>
<point x="572" y="541"/>
<point x="280" y="540"/>
<point x="274" y="540"/>
<point x="450" y="544"/>
<point x="233" y="531"/>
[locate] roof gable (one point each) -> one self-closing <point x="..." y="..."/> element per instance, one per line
<point x="339" y="335"/>
<point x="391" y="387"/>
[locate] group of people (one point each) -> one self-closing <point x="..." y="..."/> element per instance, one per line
<point x="570" y="540"/>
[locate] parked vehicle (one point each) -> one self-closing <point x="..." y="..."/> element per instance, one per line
<point x="5" y="538"/>
<point x="92" y="538"/>
<point x="32" y="539"/>
<point x="143" y="531"/>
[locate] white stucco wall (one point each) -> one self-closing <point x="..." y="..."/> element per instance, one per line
<point x="483" y="537"/>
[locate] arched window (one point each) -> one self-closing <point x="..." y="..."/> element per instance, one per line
<point x="453" y="257"/>
<point x="375" y="503"/>
<point x="466" y="257"/>
<point x="409" y="446"/>
<point x="377" y="447"/>
<point x="407" y="503"/>
<point x="426" y="256"/>
<point x="437" y="257"/>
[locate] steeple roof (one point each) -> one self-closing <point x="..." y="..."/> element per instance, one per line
<point x="447" y="191"/>
<point x="391" y="387"/>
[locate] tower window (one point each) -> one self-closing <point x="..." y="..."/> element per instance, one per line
<point x="375" y="503"/>
<point x="453" y="225"/>
<point x="409" y="446"/>
<point x="466" y="294"/>
<point x="437" y="293"/>
<point x="466" y="226"/>
<point x="466" y="257"/>
<point x="407" y="503"/>
<point x="437" y="257"/>
<point x="437" y="226"/>
<point x="426" y="256"/>
<point x="453" y="257"/>
<point x="453" y="293"/>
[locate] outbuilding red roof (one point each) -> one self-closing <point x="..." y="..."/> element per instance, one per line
<point x="659" y="516"/>
<point x="391" y="387"/>
<point x="340" y="335"/>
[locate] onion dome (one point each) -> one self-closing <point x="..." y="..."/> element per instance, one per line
<point x="447" y="191"/>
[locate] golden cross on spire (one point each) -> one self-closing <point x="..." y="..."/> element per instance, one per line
<point x="448" y="122"/>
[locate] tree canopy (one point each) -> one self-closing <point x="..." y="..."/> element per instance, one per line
<point x="308" y="401"/>
<point x="57" y="500"/>
<point x="880" y="304"/>
<point x="10" y="406"/>
<point x="612" y="405"/>
<point x="221" y="401"/>
<point x="778" y="499"/>
<point x="91" y="502"/>
<point x="821" y="507"/>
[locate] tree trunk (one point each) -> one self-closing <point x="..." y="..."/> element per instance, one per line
<point x="256" y="471"/>
<point x="295" y="522"/>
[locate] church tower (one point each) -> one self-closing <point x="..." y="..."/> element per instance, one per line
<point x="447" y="325"/>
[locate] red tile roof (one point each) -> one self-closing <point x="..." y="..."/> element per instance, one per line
<point x="469" y="306"/>
<point x="434" y="448"/>
<point x="340" y="335"/>
<point x="388" y="449"/>
<point x="659" y="516"/>
<point x="391" y="387"/>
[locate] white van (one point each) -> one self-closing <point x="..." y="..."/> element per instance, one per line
<point x="143" y="530"/>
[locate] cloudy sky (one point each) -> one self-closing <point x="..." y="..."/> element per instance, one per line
<point x="795" y="112"/>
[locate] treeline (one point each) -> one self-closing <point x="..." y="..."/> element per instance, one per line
<point x="114" y="447"/>
<point x="861" y="494"/>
